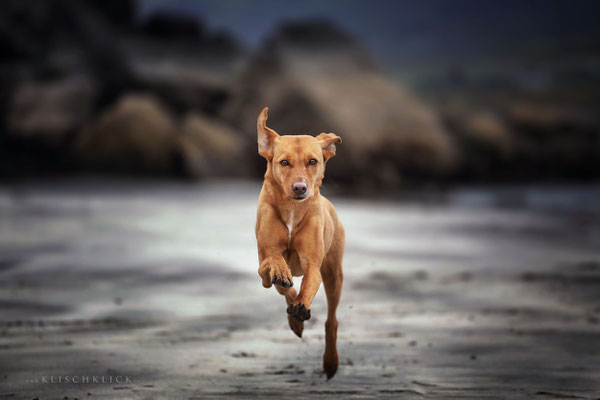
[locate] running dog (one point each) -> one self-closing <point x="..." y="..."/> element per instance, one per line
<point x="297" y="229"/>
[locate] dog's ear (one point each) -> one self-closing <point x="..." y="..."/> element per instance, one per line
<point x="327" y="142"/>
<point x="267" y="137"/>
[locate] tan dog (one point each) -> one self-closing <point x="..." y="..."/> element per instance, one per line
<point x="297" y="230"/>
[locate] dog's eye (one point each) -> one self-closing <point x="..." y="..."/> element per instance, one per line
<point x="312" y="161"/>
<point x="284" y="162"/>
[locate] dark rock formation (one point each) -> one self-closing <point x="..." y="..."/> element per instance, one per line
<point x="139" y="135"/>
<point x="315" y="78"/>
<point x="63" y="62"/>
<point x="525" y="142"/>
<point x="69" y="69"/>
<point x="210" y="148"/>
<point x="48" y="111"/>
<point x="136" y="134"/>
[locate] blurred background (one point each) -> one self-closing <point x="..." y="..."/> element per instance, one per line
<point x="467" y="181"/>
<point x="431" y="92"/>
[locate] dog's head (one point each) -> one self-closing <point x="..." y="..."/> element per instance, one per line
<point x="295" y="162"/>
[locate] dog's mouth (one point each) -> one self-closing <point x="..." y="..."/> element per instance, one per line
<point x="300" y="198"/>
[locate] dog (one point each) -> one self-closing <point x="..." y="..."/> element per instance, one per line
<point x="298" y="232"/>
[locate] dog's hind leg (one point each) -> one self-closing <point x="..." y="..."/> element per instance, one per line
<point x="332" y="281"/>
<point x="290" y="295"/>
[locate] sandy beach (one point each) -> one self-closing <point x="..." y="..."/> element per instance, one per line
<point x="154" y="286"/>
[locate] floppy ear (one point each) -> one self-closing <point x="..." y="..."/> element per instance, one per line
<point x="327" y="142"/>
<point x="266" y="136"/>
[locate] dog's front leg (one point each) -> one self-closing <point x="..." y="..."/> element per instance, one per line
<point x="300" y="308"/>
<point x="309" y="245"/>
<point x="272" y="237"/>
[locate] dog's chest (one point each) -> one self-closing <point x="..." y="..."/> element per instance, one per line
<point x="290" y="226"/>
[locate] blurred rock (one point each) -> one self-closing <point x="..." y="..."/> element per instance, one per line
<point x="54" y="39"/>
<point x="483" y="139"/>
<point x="548" y="120"/>
<point x="525" y="142"/>
<point x="136" y="134"/>
<point x="315" y="79"/>
<point x="210" y="148"/>
<point x="487" y="127"/>
<point x="48" y="111"/>
<point x="556" y="142"/>
<point x="315" y="33"/>
<point x="182" y="77"/>
<point x="188" y="66"/>
<point x="65" y="63"/>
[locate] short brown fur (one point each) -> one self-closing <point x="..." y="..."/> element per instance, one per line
<point x="314" y="245"/>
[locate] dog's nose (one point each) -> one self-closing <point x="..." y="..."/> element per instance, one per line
<point x="299" y="188"/>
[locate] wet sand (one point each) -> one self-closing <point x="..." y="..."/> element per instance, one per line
<point x="157" y="282"/>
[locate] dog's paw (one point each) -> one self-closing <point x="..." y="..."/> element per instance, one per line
<point x="330" y="364"/>
<point x="274" y="271"/>
<point x="281" y="275"/>
<point x="299" y="312"/>
<point x="296" y="326"/>
<point x="282" y="280"/>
